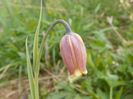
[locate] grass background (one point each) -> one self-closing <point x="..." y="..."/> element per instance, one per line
<point x="110" y="62"/>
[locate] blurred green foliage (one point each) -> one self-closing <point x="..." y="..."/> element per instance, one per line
<point x="110" y="64"/>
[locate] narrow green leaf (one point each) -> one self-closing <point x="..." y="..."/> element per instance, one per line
<point x="36" y="58"/>
<point x="30" y="72"/>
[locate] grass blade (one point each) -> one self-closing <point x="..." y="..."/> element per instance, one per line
<point x="30" y="72"/>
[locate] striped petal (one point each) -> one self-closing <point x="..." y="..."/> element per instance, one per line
<point x="73" y="53"/>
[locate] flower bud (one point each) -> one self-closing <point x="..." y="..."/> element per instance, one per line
<point x="74" y="56"/>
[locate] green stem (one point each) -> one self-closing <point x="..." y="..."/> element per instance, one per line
<point x="64" y="23"/>
<point x="68" y="31"/>
<point x="36" y="88"/>
<point x="111" y="93"/>
<point x="36" y="61"/>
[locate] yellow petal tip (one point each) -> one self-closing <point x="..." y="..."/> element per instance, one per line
<point x="85" y="72"/>
<point x="77" y="74"/>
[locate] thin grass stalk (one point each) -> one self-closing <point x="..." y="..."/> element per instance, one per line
<point x="111" y="93"/>
<point x="30" y="72"/>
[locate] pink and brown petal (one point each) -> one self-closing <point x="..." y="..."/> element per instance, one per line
<point x="73" y="53"/>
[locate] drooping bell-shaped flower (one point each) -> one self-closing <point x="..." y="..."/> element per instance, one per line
<point x="74" y="56"/>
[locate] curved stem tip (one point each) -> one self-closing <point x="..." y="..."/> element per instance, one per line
<point x="65" y="24"/>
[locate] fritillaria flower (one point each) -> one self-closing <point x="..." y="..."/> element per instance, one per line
<point x="73" y="52"/>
